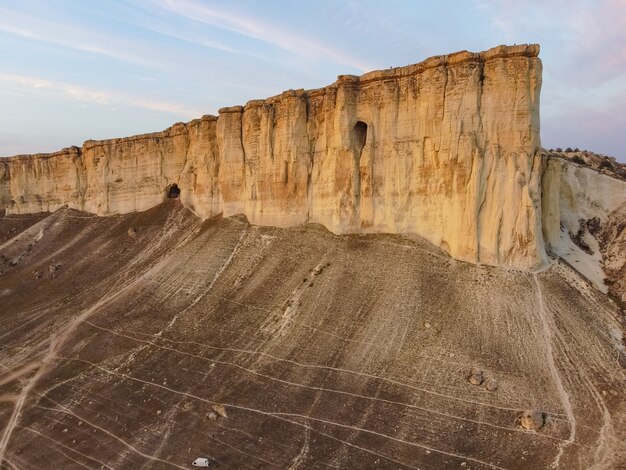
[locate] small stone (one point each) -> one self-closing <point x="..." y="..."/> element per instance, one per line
<point x="132" y="233"/>
<point x="463" y="464"/>
<point x="427" y="325"/>
<point x="159" y="412"/>
<point x="80" y="423"/>
<point x="531" y="420"/>
<point x="212" y="416"/>
<point x="65" y="430"/>
<point x="220" y="410"/>
<point x="492" y="385"/>
<point x="476" y="376"/>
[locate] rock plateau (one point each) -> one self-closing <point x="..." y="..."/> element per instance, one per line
<point x="448" y="149"/>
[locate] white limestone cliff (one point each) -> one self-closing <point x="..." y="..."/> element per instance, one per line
<point x="448" y="149"/>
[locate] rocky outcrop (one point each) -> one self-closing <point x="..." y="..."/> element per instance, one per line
<point x="612" y="237"/>
<point x="448" y="149"/>
<point x="583" y="219"/>
<point x="601" y="163"/>
<point x="574" y="192"/>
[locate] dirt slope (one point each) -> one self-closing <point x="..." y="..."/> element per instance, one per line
<point x="326" y="351"/>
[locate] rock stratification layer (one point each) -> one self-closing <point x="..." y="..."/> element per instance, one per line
<point x="448" y="149"/>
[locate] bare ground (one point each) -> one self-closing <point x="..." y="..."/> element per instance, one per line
<point x="326" y="351"/>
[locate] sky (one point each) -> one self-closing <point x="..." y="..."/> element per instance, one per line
<point x="72" y="70"/>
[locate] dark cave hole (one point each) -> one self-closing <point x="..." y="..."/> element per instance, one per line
<point x="360" y="135"/>
<point x="173" y="192"/>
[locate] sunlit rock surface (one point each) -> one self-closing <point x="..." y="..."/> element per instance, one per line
<point x="448" y="149"/>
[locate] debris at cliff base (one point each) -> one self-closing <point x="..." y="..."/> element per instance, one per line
<point x="476" y="377"/>
<point x="220" y="410"/>
<point x="531" y="420"/>
<point x="492" y="385"/>
<point x="53" y="268"/>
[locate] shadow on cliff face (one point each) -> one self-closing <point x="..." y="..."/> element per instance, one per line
<point x="322" y="350"/>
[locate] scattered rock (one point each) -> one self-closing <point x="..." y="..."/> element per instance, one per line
<point x="577" y="238"/>
<point x="531" y="420"/>
<point x="14" y="261"/>
<point x="492" y="385"/>
<point x="594" y="226"/>
<point x="54" y="267"/>
<point x="220" y="410"/>
<point x="476" y="377"/>
<point x="37" y="274"/>
<point x="132" y="233"/>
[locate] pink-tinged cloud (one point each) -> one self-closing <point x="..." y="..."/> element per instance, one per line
<point x="270" y="33"/>
<point x="19" y="83"/>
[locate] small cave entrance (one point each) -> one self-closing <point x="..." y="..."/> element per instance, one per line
<point x="360" y="136"/>
<point x="173" y="191"/>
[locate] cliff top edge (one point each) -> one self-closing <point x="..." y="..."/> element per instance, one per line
<point x="455" y="58"/>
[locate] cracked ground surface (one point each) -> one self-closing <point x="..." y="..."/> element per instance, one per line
<point x="326" y="351"/>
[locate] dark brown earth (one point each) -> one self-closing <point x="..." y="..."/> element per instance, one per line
<point x="325" y="351"/>
<point x="612" y="240"/>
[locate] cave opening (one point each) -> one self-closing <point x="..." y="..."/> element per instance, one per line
<point x="360" y="136"/>
<point x="173" y="192"/>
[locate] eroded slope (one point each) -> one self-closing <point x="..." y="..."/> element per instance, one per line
<point x="119" y="334"/>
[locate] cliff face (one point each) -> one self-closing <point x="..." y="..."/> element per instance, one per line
<point x="448" y="149"/>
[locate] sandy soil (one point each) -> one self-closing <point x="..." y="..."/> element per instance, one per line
<point x="325" y="351"/>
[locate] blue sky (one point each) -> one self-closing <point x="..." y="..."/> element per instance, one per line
<point x="71" y="70"/>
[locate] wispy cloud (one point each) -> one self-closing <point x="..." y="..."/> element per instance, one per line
<point x="584" y="55"/>
<point x="264" y="31"/>
<point x="588" y="39"/>
<point x="66" y="35"/>
<point x="73" y="92"/>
